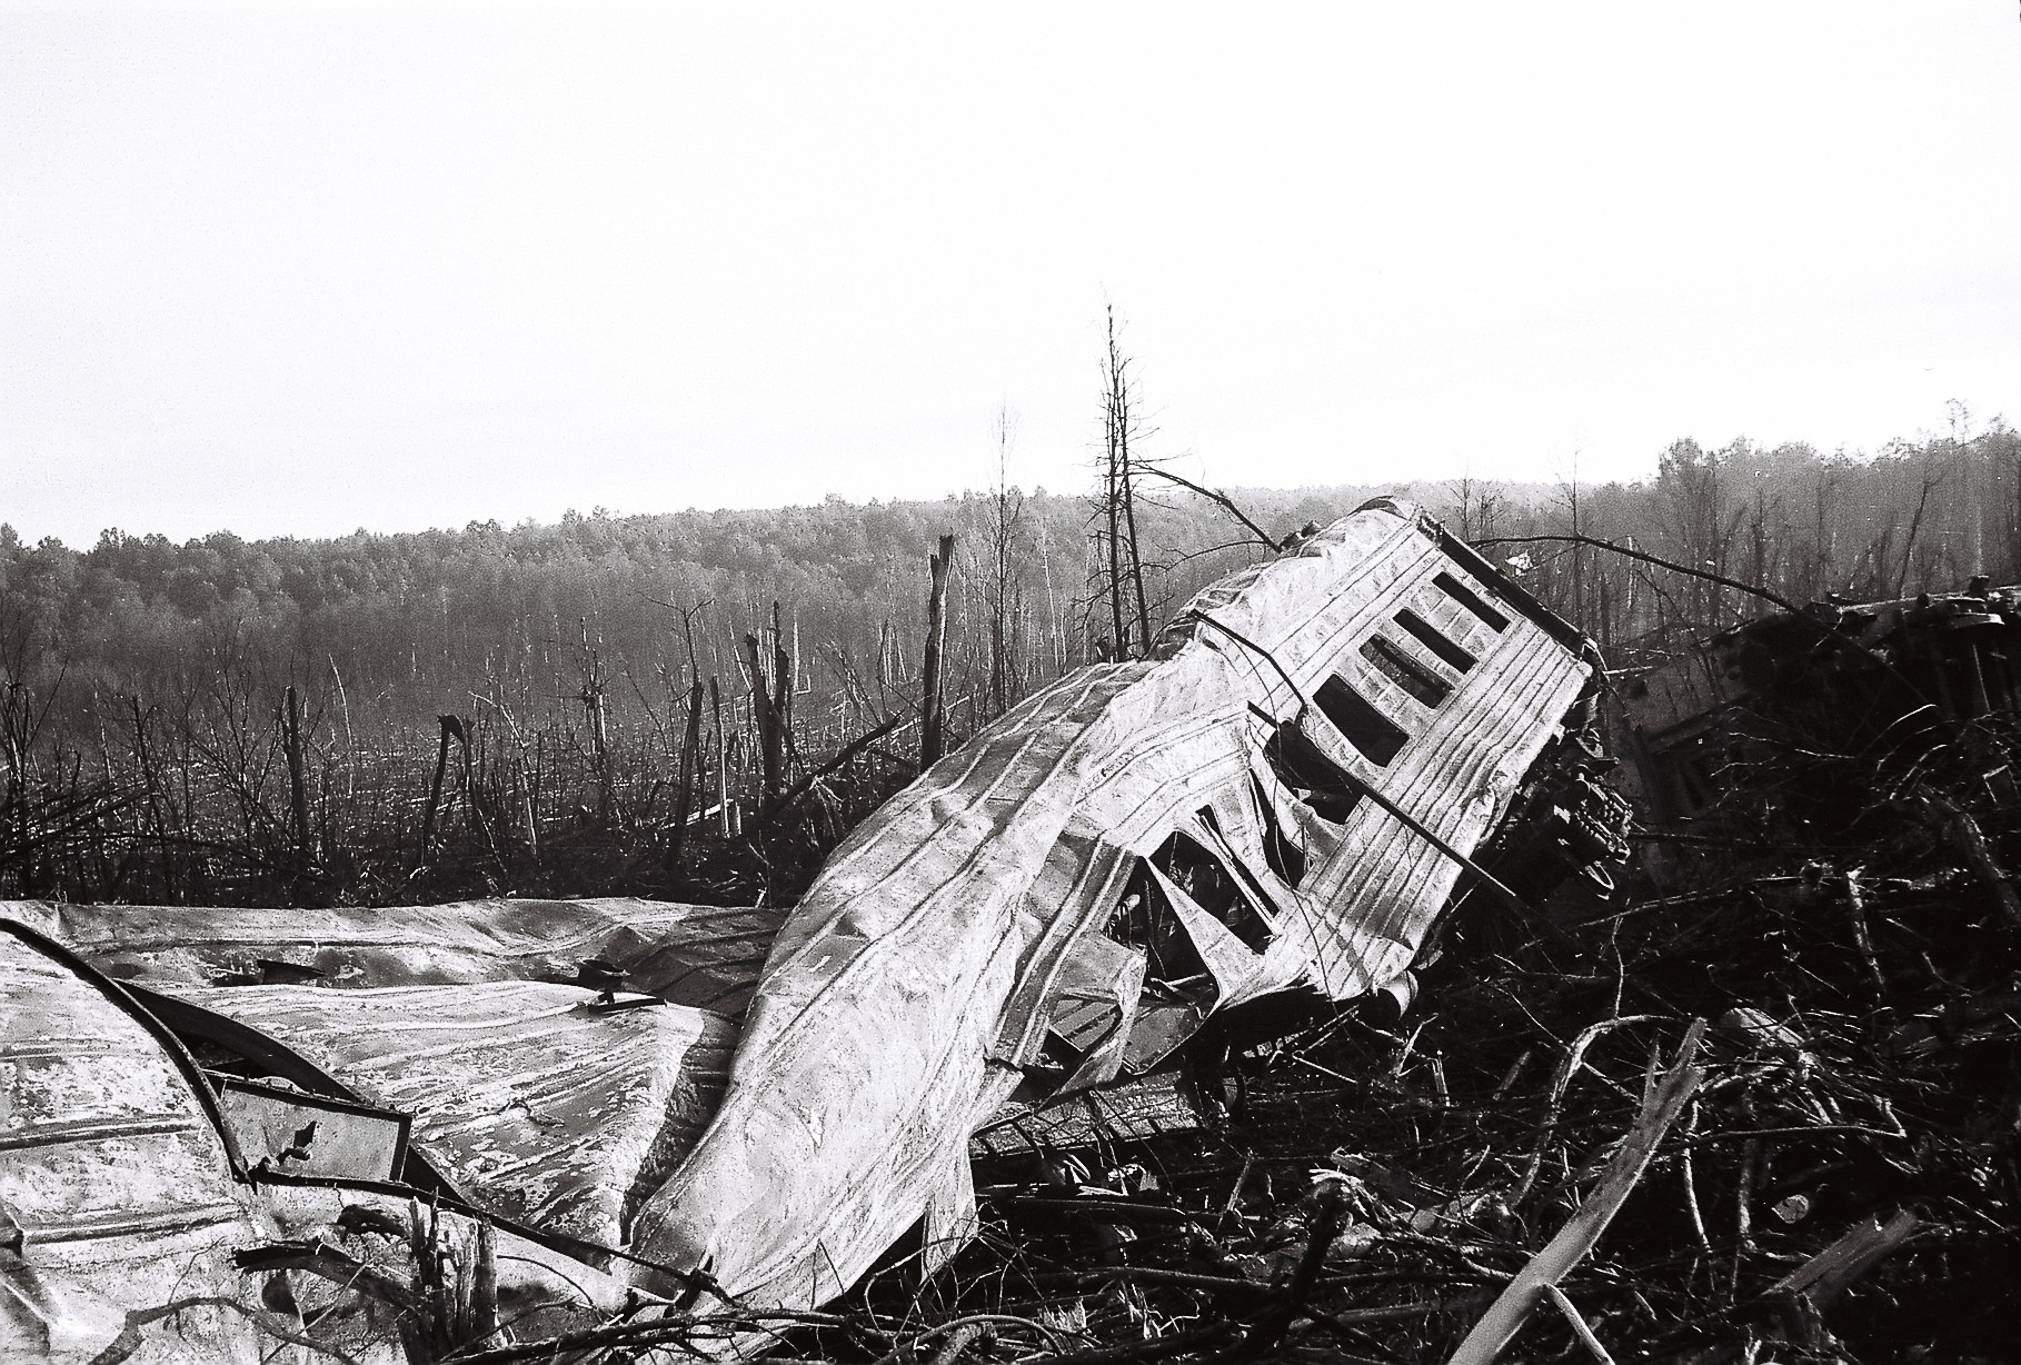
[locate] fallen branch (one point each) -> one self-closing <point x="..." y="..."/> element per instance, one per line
<point x="1350" y="1318"/>
<point x="1824" y="1276"/>
<point x="672" y="1329"/>
<point x="847" y="752"/>
<point x="1219" y="499"/>
<point x="1319" y="1239"/>
<point x="319" y="1258"/>
<point x="958" y="1343"/>
<point x="966" y="1330"/>
<point x="1751" y="589"/>
<point x="128" y="1341"/>
<point x="1962" y="832"/>
<point x="1577" y="1321"/>
<point x="1107" y="1210"/>
<point x="1575" y="1056"/>
<point x="1660" y="1107"/>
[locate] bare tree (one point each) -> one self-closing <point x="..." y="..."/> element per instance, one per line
<point x="931" y="717"/>
<point x="1824" y="528"/>
<point x="1693" y="483"/>
<point x="1477" y="507"/>
<point x="1121" y="427"/>
<point x="1931" y="481"/>
<point x="1569" y="499"/>
<point x="1003" y="590"/>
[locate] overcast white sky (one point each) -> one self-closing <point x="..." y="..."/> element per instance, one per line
<point x="298" y="270"/>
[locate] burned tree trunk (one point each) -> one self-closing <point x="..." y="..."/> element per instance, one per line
<point x="298" y="788"/>
<point x="690" y="776"/>
<point x="722" y="762"/>
<point x="785" y="677"/>
<point x="450" y="726"/>
<point x="595" y="689"/>
<point x="1136" y="559"/>
<point x="1119" y="496"/>
<point x="771" y="706"/>
<point x="771" y="751"/>
<point x="931" y="739"/>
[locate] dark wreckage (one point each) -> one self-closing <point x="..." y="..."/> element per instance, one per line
<point x="592" y="1101"/>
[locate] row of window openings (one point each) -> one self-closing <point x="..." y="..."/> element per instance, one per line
<point x="1375" y="735"/>
<point x="1144" y="920"/>
<point x="1322" y="784"/>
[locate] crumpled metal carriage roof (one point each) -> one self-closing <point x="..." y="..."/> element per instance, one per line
<point x="906" y="995"/>
<point x="701" y="955"/>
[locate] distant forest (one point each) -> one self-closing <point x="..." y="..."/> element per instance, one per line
<point x="424" y="623"/>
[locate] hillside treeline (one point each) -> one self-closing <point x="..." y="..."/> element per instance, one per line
<point x="422" y="621"/>
<point x="427" y="617"/>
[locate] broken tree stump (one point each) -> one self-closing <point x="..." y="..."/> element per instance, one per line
<point x="298" y="787"/>
<point x="690" y="776"/>
<point x="450" y="726"/>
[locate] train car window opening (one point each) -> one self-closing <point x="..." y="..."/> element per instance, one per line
<point x="1406" y="672"/>
<point x="1304" y="767"/>
<point x="1260" y="896"/>
<point x="286" y="1130"/>
<point x="1376" y="736"/>
<point x="1144" y="919"/>
<point x="1428" y="635"/>
<point x="1212" y="887"/>
<point x="1286" y="858"/>
<point x="1468" y="598"/>
<point x="1058" y="1053"/>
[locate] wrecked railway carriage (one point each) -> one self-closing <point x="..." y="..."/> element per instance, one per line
<point x="1786" y="731"/>
<point x="1277" y="807"/>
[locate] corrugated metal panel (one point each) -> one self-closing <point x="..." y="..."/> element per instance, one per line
<point x="100" y="1135"/>
<point x="117" y="1169"/>
<point x="111" y="1167"/>
<point x="537" y="1108"/>
<point x="700" y="955"/>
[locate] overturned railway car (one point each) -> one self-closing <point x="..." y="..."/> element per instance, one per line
<point x="1279" y="805"/>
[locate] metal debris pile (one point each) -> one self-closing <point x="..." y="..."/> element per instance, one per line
<point x="1819" y="1067"/>
<point x="1760" y="1104"/>
<point x="1770" y="1118"/>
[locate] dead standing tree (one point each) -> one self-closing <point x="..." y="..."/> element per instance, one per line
<point x="1693" y="482"/>
<point x="771" y="705"/>
<point x="692" y="765"/>
<point x="298" y="787"/>
<point x="722" y="762"/>
<point x="931" y="738"/>
<point x="1004" y="592"/>
<point x="593" y="695"/>
<point x="1477" y="507"/>
<point x="1124" y="585"/>
<point x="452" y="728"/>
